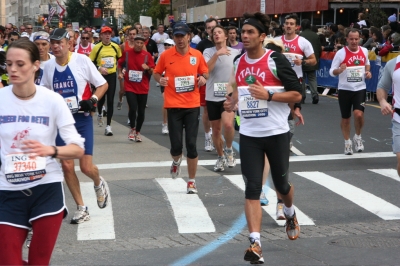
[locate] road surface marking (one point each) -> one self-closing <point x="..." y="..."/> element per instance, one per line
<point x="101" y="224"/>
<point x="364" y="199"/>
<point x="306" y="158"/>
<point x="392" y="173"/>
<point x="189" y="211"/>
<point x="303" y="219"/>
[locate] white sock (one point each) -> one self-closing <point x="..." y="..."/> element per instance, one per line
<point x="179" y="161"/>
<point x="357" y="136"/>
<point x="228" y="149"/>
<point x="208" y="135"/>
<point x="192" y="180"/>
<point x="101" y="182"/>
<point x="288" y="211"/>
<point x="210" y="131"/>
<point x="348" y="141"/>
<point x="256" y="236"/>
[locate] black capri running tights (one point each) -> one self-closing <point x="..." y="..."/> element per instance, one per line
<point x="252" y="150"/>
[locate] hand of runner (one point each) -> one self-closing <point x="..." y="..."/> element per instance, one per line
<point x="297" y="61"/>
<point x="229" y="105"/>
<point x="164" y="81"/>
<point x="121" y="76"/>
<point x="342" y="68"/>
<point x="257" y="91"/>
<point x="299" y="116"/>
<point x="145" y="67"/>
<point x="223" y="51"/>
<point x="35" y="148"/>
<point x="103" y="71"/>
<point x="386" y="108"/>
<point x="123" y="71"/>
<point x="201" y="80"/>
<point x="86" y="105"/>
<point x="368" y="74"/>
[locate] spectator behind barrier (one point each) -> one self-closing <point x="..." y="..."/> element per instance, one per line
<point x="391" y="45"/>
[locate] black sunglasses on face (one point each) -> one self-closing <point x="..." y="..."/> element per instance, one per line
<point x="166" y="44"/>
<point x="29" y="28"/>
<point x="85" y="38"/>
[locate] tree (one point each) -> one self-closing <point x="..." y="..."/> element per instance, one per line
<point x="158" y="11"/>
<point x="82" y="11"/>
<point x="133" y="9"/>
<point x="377" y="17"/>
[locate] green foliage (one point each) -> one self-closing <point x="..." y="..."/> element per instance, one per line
<point x="82" y="11"/>
<point x="133" y="9"/>
<point x="377" y="17"/>
<point x="158" y="11"/>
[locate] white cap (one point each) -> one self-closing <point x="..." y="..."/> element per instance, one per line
<point x="169" y="41"/>
<point x="24" y="34"/>
<point x="95" y="35"/>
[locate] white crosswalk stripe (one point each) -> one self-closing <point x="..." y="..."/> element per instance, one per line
<point x="189" y="211"/>
<point x="303" y="219"/>
<point x="364" y="199"/>
<point x="392" y="173"/>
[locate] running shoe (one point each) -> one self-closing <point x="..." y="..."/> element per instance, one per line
<point x="358" y="144"/>
<point x="254" y="253"/>
<point x="219" y="165"/>
<point x="279" y="211"/>
<point x="100" y="120"/>
<point x="119" y="105"/>
<point x="230" y="158"/>
<point x="175" y="168"/>
<point x="29" y="238"/>
<point x="101" y="194"/>
<point x="108" y="131"/>
<point x="81" y="215"/>
<point x="164" y="129"/>
<point x="128" y="122"/>
<point x="191" y="187"/>
<point x="263" y="199"/>
<point x="131" y="135"/>
<point x="292" y="227"/>
<point x="208" y="146"/>
<point x="138" y="137"/>
<point x="348" y="148"/>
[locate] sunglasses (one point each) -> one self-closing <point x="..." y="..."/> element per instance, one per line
<point x="166" y="44"/>
<point x="29" y="28"/>
<point x="85" y="38"/>
<point x="8" y="28"/>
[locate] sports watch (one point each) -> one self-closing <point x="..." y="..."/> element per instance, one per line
<point x="271" y="93"/>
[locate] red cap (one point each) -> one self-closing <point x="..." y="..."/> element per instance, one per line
<point x="106" y="29"/>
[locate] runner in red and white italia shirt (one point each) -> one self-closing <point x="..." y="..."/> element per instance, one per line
<point x="352" y="66"/>
<point x="84" y="46"/>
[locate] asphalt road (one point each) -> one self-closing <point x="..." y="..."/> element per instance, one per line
<point x="355" y="211"/>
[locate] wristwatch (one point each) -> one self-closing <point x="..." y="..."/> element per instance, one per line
<point x="303" y="62"/>
<point x="271" y="93"/>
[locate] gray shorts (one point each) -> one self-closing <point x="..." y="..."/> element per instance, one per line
<point x="396" y="136"/>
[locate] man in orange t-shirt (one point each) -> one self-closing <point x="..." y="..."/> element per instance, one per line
<point x="185" y="70"/>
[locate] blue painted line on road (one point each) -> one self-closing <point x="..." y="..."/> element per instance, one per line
<point x="236" y="228"/>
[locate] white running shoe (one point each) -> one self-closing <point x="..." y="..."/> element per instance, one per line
<point x="191" y="187"/>
<point x="108" y="131"/>
<point x="208" y="146"/>
<point x="131" y="135"/>
<point x="81" y="215"/>
<point x="164" y="129"/>
<point x="230" y="158"/>
<point x="100" y="120"/>
<point x="358" y="144"/>
<point x="348" y="148"/>
<point x="220" y="164"/>
<point x="101" y="194"/>
<point x="279" y="211"/>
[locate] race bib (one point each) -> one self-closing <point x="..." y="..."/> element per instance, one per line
<point x="355" y="74"/>
<point x="72" y="104"/>
<point x="220" y="89"/>
<point x="184" y="84"/>
<point x="135" y="76"/>
<point x="108" y="62"/>
<point x="23" y="168"/>
<point x="253" y="108"/>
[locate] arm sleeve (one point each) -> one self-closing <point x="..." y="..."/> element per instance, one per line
<point x="94" y="76"/>
<point x="308" y="49"/>
<point x="160" y="64"/>
<point x="207" y="54"/>
<point x="337" y="60"/>
<point x="385" y="82"/>
<point x="286" y="73"/>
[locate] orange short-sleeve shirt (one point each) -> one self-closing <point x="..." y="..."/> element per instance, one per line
<point x="182" y="71"/>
